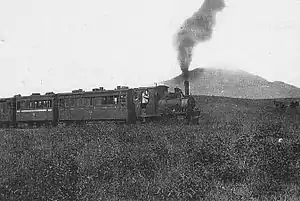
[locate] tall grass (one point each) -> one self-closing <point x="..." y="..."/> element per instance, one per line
<point x="236" y="159"/>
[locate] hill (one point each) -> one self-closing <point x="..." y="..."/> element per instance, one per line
<point x="233" y="83"/>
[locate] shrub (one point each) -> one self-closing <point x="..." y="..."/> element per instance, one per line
<point x="45" y="180"/>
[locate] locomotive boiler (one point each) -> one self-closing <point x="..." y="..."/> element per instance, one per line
<point x="177" y="103"/>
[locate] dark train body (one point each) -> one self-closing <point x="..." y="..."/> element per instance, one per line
<point x="122" y="104"/>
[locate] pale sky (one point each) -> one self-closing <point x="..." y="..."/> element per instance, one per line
<point x="61" y="45"/>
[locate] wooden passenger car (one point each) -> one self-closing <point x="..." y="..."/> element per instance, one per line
<point x="35" y="109"/>
<point x="96" y="105"/>
<point x="7" y="114"/>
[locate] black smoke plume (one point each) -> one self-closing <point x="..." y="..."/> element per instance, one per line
<point x="195" y="29"/>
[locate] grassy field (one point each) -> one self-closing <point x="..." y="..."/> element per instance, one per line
<point x="234" y="154"/>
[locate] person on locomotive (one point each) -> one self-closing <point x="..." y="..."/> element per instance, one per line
<point x="145" y="99"/>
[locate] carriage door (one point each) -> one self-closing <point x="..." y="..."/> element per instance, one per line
<point x="148" y="101"/>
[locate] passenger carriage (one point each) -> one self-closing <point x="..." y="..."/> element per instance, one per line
<point x="35" y="109"/>
<point x="96" y="105"/>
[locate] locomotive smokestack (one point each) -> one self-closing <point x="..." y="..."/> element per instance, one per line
<point x="187" y="87"/>
<point x="185" y="73"/>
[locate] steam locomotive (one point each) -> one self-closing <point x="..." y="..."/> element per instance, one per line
<point x="121" y="104"/>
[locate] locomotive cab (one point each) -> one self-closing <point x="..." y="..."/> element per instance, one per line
<point x="146" y="99"/>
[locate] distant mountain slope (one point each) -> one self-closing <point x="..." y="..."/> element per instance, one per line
<point x="233" y="83"/>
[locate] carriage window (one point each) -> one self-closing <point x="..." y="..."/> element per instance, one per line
<point x="99" y="100"/>
<point x="31" y="105"/>
<point x="46" y="104"/>
<point x="110" y="100"/>
<point x="105" y="100"/>
<point x="77" y="102"/>
<point x="18" y="105"/>
<point x="72" y="102"/>
<point x="23" y="104"/>
<point x="116" y="100"/>
<point x="39" y="105"/>
<point x="42" y="104"/>
<point x="84" y="102"/>
<point x="123" y="98"/>
<point x="67" y="102"/>
<point x="61" y="103"/>
<point x="2" y="107"/>
<point x="88" y="101"/>
<point x="35" y="104"/>
<point x="81" y="101"/>
<point x="28" y="103"/>
<point x="49" y="103"/>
